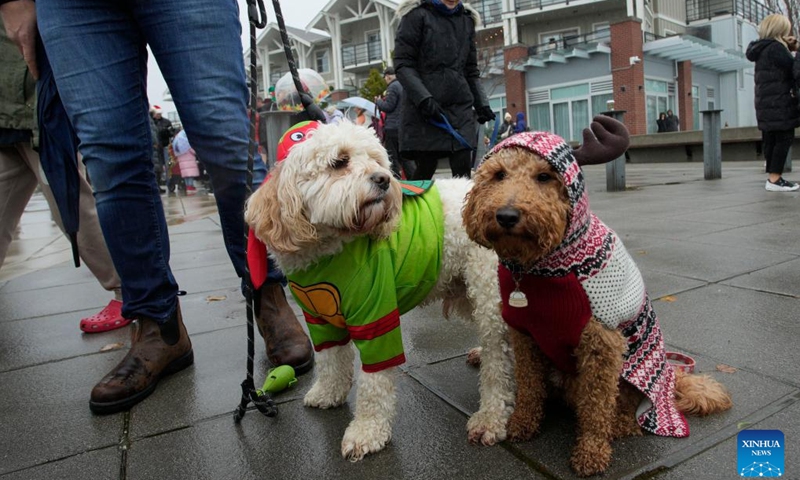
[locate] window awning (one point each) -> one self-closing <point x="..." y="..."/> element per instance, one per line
<point x="700" y="52"/>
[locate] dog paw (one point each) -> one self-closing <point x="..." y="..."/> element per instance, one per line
<point x="486" y="428"/>
<point x="474" y="357"/>
<point x="323" y="396"/>
<point x="625" y="429"/>
<point x="364" y="437"/>
<point x="520" y="429"/>
<point x="591" y="458"/>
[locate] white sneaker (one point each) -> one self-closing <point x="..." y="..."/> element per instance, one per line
<point x="782" y="186"/>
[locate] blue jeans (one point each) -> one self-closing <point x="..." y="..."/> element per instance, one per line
<point x="98" y="53"/>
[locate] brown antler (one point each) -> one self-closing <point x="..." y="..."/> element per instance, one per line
<point x="606" y="140"/>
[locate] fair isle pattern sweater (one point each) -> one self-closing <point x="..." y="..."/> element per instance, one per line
<point x="594" y="272"/>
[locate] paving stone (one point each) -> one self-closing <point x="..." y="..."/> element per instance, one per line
<point x="550" y="450"/>
<point x="744" y="328"/>
<point x="97" y="464"/>
<point x="45" y="413"/>
<point x="428" y="442"/>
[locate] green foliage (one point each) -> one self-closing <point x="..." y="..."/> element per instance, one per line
<point x="374" y="86"/>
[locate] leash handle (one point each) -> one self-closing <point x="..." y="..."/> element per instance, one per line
<point x="257" y="13"/>
<point x="445" y="125"/>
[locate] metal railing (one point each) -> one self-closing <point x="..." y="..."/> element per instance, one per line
<point x="750" y="10"/>
<point x="599" y="36"/>
<point x="491" y="11"/>
<point x="522" y="5"/>
<point x="361" y="54"/>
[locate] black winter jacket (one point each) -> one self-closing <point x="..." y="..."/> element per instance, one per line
<point x="776" y="105"/>
<point x="436" y="55"/>
<point x="392" y="106"/>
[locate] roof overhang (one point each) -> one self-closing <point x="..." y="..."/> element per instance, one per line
<point x="701" y="53"/>
<point x="341" y="6"/>
<point x="541" y="60"/>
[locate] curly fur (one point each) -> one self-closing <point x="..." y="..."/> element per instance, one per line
<point x="605" y="405"/>
<point x="322" y="196"/>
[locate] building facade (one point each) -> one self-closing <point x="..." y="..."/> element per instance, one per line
<point x="561" y="61"/>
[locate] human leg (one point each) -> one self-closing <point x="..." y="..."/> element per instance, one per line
<point x="17" y="184"/>
<point x="99" y="61"/>
<point x="461" y="163"/>
<point x="199" y="51"/>
<point x="780" y="143"/>
<point x="426" y="163"/>
<point x="391" y="141"/>
<point x="91" y="246"/>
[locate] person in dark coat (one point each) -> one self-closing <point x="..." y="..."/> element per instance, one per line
<point x="671" y="122"/>
<point x="507" y="128"/>
<point x="435" y="57"/>
<point x="662" y="122"/>
<point x="776" y="72"/>
<point x="392" y="106"/>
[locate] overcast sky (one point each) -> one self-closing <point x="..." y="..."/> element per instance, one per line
<point x="296" y="13"/>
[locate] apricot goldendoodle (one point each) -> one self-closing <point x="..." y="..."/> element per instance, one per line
<point x="581" y="319"/>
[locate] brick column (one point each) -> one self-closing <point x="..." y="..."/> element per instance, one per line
<point x="516" y="97"/>
<point x="685" y="109"/>
<point x="628" y="80"/>
<point x="338" y="95"/>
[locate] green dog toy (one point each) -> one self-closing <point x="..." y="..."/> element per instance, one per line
<point x="278" y="379"/>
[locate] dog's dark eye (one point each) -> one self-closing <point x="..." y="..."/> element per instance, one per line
<point x="544" y="177"/>
<point x="500" y="175"/>
<point x="341" y="162"/>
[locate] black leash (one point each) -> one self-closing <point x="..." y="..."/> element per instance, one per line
<point x="264" y="403"/>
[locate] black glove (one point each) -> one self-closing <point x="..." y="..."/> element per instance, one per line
<point x="431" y="110"/>
<point x="485" y="114"/>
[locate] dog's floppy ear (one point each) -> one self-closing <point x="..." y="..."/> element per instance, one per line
<point x="276" y="215"/>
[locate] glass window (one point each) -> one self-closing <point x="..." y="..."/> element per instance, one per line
<point x="696" y="107"/>
<point x="323" y="62"/>
<point x="580" y="118"/>
<point x="540" y="117"/>
<point x="498" y="106"/>
<point x="600" y="103"/>
<point x="655" y="86"/>
<point x="560" y="93"/>
<point x="561" y="119"/>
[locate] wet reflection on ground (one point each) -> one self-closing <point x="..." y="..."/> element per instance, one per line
<point x="38" y="243"/>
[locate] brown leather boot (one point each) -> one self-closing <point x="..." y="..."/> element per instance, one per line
<point x="156" y="351"/>
<point x="287" y="342"/>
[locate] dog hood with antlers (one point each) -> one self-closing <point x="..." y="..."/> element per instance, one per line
<point x="592" y="275"/>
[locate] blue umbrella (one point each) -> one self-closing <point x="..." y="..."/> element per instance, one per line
<point x="58" y="150"/>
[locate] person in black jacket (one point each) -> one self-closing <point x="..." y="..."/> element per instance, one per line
<point x="776" y="104"/>
<point x="662" y="122"/>
<point x="392" y="106"/>
<point x="671" y="122"/>
<point x="435" y="57"/>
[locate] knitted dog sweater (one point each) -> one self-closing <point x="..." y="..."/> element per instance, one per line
<point x="591" y="274"/>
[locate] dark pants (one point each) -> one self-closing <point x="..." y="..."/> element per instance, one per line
<point x="776" y="148"/>
<point x="391" y="140"/>
<point x="460" y="163"/>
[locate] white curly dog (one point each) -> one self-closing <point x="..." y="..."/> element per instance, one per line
<point x="336" y="221"/>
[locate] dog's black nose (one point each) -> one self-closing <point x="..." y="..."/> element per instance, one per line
<point x="507" y="217"/>
<point x="380" y="179"/>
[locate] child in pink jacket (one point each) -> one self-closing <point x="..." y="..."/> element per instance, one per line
<point x="187" y="160"/>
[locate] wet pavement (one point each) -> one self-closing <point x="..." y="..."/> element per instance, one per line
<point x="721" y="258"/>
